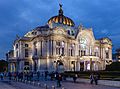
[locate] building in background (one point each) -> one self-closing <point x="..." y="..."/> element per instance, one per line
<point x="60" y="46"/>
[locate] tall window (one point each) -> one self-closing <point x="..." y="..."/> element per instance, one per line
<point x="26" y="53"/>
<point x="35" y="51"/>
<point x="52" y="47"/>
<point x="35" y="48"/>
<point x="72" y="46"/>
<point x="79" y="52"/>
<point x="60" y="48"/>
<point x="69" y="52"/>
<point x="16" y="53"/>
<point x="16" y="46"/>
<point x="82" y="46"/>
<point x="107" y="52"/>
<point x="107" y="55"/>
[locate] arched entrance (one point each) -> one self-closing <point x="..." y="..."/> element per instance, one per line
<point x="60" y="66"/>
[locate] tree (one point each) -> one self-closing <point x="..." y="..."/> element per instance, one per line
<point x="3" y="65"/>
<point x="115" y="66"/>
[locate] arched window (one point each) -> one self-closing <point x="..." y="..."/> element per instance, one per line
<point x="82" y="46"/>
<point x="35" y="48"/>
<point x="60" y="47"/>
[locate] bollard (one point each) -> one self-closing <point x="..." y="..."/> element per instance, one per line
<point x="26" y="81"/>
<point x="53" y="87"/>
<point x="23" y="81"/>
<point x="33" y="83"/>
<point x="45" y="86"/>
<point x="38" y="84"/>
<point x="29" y="82"/>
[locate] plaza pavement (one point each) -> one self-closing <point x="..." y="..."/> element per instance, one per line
<point x="6" y="84"/>
<point x="68" y="84"/>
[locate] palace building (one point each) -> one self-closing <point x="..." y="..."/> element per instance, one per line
<point x="59" y="46"/>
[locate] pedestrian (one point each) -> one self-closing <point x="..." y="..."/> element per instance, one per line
<point x="75" y="78"/>
<point x="1" y="75"/>
<point x="96" y="79"/>
<point x="14" y="74"/>
<point x="46" y="74"/>
<point x="59" y="79"/>
<point x="91" y="78"/>
<point x="9" y="75"/>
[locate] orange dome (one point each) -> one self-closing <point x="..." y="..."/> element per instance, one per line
<point x="61" y="19"/>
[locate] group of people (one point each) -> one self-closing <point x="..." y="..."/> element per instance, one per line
<point x="94" y="78"/>
<point x="54" y="76"/>
<point x="20" y="75"/>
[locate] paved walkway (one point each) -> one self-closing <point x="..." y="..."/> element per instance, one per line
<point x="100" y="82"/>
<point x="5" y="84"/>
<point x="68" y="84"/>
<point x="78" y="85"/>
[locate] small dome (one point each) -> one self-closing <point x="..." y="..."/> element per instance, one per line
<point x="61" y="19"/>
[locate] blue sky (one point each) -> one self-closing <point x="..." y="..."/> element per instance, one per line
<point x="21" y="16"/>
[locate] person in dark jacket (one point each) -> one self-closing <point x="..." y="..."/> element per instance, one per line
<point x="75" y="77"/>
<point x="9" y="75"/>
<point x="91" y="78"/>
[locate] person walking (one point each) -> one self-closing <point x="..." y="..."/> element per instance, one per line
<point x="9" y="75"/>
<point x="96" y="79"/>
<point x="75" y="78"/>
<point x="59" y="80"/>
<point x="91" y="78"/>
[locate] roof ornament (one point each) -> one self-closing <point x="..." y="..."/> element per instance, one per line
<point x="60" y="11"/>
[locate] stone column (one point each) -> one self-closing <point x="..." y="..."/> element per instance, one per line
<point x="47" y="47"/>
<point x="91" y="64"/>
<point x="77" y="66"/>
<point x="65" y="49"/>
<point x="84" y="65"/>
<point x="110" y="53"/>
<point x="54" y="48"/>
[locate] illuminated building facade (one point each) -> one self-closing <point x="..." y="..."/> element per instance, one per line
<point x="60" y="46"/>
